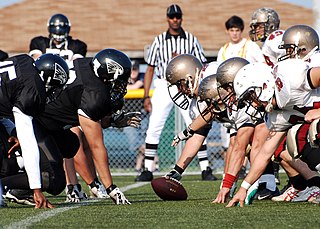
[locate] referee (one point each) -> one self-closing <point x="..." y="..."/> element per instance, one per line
<point x="165" y="46"/>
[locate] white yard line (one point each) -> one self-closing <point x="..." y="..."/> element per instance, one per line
<point x="50" y="213"/>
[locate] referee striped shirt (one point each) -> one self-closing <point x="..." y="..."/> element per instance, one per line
<point x="165" y="45"/>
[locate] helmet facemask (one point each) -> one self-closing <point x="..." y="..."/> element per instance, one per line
<point x="266" y="19"/>
<point x="300" y="42"/>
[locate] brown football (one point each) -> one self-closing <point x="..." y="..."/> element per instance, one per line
<point x="169" y="189"/>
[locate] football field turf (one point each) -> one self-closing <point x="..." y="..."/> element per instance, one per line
<point x="148" y="211"/>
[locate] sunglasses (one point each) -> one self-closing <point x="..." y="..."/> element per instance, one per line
<point x="177" y="16"/>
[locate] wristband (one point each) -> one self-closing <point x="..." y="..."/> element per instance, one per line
<point x="246" y="185"/>
<point x="146" y="97"/>
<point x="228" y="181"/>
<point x="111" y="188"/>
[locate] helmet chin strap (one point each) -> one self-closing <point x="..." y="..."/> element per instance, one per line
<point x="196" y="79"/>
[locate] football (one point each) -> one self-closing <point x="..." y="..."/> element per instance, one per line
<point x="168" y="188"/>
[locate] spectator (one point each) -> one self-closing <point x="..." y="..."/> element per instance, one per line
<point x="237" y="46"/>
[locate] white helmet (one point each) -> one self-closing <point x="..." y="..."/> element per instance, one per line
<point x="255" y="80"/>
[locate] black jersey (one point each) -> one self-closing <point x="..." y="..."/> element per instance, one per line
<point x="66" y="50"/>
<point x="84" y="92"/>
<point x="21" y="86"/>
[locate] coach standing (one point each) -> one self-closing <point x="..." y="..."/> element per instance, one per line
<point x="173" y="42"/>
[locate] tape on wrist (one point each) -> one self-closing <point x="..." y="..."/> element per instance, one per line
<point x="246" y="185"/>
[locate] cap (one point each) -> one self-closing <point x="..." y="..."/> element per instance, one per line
<point x="174" y="9"/>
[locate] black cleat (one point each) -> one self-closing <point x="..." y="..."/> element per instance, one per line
<point x="265" y="194"/>
<point x="145" y="176"/>
<point x="207" y="175"/>
<point x="20" y="196"/>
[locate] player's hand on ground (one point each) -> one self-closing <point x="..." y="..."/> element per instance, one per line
<point x="127" y="119"/>
<point x="118" y="197"/>
<point x="222" y="196"/>
<point x="15" y="144"/>
<point x="238" y="198"/>
<point x="40" y="200"/>
<point x="182" y="136"/>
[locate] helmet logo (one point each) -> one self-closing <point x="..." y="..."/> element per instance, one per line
<point x="60" y="74"/>
<point x="114" y="68"/>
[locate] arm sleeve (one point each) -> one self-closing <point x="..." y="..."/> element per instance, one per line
<point x="29" y="147"/>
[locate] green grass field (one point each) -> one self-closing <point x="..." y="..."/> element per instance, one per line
<point x="148" y="211"/>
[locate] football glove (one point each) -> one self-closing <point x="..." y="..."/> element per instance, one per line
<point x="174" y="174"/>
<point x="182" y="136"/>
<point x="124" y="119"/>
<point x="116" y="195"/>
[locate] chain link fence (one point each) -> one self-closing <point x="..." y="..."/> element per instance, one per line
<point x="125" y="145"/>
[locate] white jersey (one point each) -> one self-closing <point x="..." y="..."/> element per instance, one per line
<point x="314" y="60"/>
<point x="238" y="119"/>
<point x="293" y="93"/>
<point x="270" y="48"/>
<point x="246" y="49"/>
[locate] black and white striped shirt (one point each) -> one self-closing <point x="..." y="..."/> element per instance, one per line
<point x="164" y="45"/>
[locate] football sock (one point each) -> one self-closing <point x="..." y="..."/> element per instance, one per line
<point x="203" y="157"/>
<point x="314" y="181"/>
<point x="298" y="182"/>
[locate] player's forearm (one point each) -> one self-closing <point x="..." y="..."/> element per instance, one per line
<point x="29" y="147"/>
<point x="198" y="123"/>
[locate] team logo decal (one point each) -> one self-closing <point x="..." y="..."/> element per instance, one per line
<point x="60" y="74"/>
<point x="114" y="68"/>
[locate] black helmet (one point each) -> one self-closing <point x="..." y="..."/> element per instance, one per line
<point x="113" y="67"/>
<point x="111" y="64"/>
<point x="53" y="70"/>
<point x="59" y="27"/>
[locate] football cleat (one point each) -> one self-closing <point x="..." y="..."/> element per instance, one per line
<point x="242" y="173"/>
<point x="145" y="176"/>
<point x="265" y="194"/>
<point x="287" y="196"/>
<point x="308" y="194"/>
<point x="20" y="196"/>
<point x="98" y="190"/>
<point x="207" y="175"/>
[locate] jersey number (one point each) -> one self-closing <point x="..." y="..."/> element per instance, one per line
<point x="8" y="68"/>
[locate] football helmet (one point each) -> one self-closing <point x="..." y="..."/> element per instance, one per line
<point x="54" y="72"/>
<point x="299" y="41"/>
<point x="255" y="83"/>
<point x="183" y="73"/>
<point x="208" y="94"/>
<point x="225" y="76"/>
<point x="263" y="18"/>
<point x="113" y="68"/>
<point x="59" y="27"/>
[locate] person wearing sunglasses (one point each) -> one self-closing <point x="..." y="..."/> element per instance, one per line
<point x="171" y="43"/>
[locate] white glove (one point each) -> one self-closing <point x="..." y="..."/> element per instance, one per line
<point x="182" y="136"/>
<point x="124" y="119"/>
<point x="118" y="197"/>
